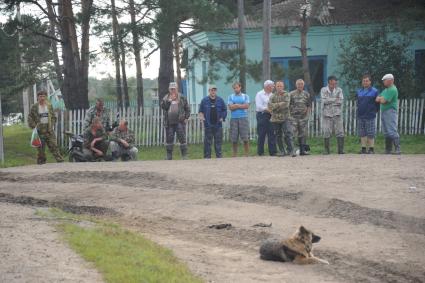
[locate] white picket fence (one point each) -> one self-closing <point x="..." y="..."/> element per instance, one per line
<point x="149" y="129"/>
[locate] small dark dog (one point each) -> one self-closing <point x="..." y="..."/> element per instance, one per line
<point x="296" y="249"/>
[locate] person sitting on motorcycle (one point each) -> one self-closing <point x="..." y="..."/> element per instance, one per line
<point x="95" y="140"/>
<point x="122" y="143"/>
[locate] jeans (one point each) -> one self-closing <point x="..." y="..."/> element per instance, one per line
<point x="265" y="128"/>
<point x="216" y="134"/>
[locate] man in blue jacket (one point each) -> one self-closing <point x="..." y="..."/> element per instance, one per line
<point x="366" y="114"/>
<point x="212" y="112"/>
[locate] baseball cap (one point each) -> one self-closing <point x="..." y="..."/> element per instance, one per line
<point x="212" y="87"/>
<point x="388" y="77"/>
<point x="172" y="85"/>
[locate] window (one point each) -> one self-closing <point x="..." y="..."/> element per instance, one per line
<point x="232" y="45"/>
<point x="289" y="69"/>
<point x="420" y="71"/>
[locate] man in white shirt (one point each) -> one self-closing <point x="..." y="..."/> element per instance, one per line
<point x="264" y="126"/>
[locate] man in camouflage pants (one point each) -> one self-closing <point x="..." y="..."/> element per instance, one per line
<point x="176" y="113"/>
<point x="279" y="106"/>
<point x="43" y="118"/>
<point x="332" y="98"/>
<point x="122" y="141"/>
<point x="97" y="111"/>
<point x="300" y="107"/>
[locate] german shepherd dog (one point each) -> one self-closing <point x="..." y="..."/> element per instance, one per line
<point x="296" y="249"/>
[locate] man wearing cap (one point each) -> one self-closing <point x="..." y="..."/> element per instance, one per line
<point x="212" y="112"/>
<point x="99" y="111"/>
<point x="332" y="98"/>
<point x="366" y="114"/>
<point x="238" y="104"/>
<point x="300" y="108"/>
<point x="264" y="126"/>
<point x="176" y="113"/>
<point x="389" y="114"/>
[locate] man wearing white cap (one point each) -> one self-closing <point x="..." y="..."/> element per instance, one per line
<point x="264" y="126"/>
<point x="176" y="113"/>
<point x="389" y="114"/>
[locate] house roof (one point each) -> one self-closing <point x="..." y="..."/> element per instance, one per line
<point x="288" y="13"/>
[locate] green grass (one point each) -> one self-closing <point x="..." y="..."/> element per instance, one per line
<point x="118" y="254"/>
<point x="18" y="151"/>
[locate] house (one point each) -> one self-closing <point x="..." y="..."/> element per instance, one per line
<point x="330" y="23"/>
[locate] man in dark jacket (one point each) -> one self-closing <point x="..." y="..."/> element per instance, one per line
<point x="176" y="113"/>
<point x="212" y="112"/>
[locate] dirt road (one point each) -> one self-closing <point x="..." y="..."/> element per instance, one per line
<point x="369" y="211"/>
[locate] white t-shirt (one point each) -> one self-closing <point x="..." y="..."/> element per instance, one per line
<point x="43" y="113"/>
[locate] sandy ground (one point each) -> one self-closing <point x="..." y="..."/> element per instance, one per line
<point x="369" y="211"/>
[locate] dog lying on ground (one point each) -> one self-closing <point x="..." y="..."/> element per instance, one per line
<point x="296" y="249"/>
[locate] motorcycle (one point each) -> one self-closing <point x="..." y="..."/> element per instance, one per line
<point x="76" y="153"/>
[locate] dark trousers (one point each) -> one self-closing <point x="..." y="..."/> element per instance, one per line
<point x="265" y="128"/>
<point x="283" y="129"/>
<point x="216" y="134"/>
<point x="172" y="130"/>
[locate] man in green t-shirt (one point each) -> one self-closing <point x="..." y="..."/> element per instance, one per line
<point x="389" y="114"/>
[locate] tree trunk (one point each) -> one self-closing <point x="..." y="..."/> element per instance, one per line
<point x="166" y="70"/>
<point x="242" y="56"/>
<point x="74" y="93"/>
<point x="116" y="54"/>
<point x="124" y="73"/>
<point x="86" y="8"/>
<point x="306" y="69"/>
<point x="136" y="49"/>
<point x="52" y="33"/>
<point x="267" y="8"/>
<point x="177" y="54"/>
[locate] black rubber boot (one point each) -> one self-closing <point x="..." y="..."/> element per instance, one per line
<point x="396" y="146"/>
<point x="327" y="146"/>
<point x="169" y="152"/>
<point x="301" y="144"/>
<point x="388" y="145"/>
<point x="340" y="141"/>
<point x="183" y="150"/>
<point x="363" y="151"/>
<point x="371" y="150"/>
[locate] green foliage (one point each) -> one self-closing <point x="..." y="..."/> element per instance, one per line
<point x="120" y="255"/>
<point x="377" y="53"/>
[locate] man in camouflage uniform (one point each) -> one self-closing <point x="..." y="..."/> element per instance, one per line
<point x="122" y="141"/>
<point x="332" y="98"/>
<point x="176" y="113"/>
<point x="100" y="112"/>
<point x="279" y="106"/>
<point x="95" y="141"/>
<point x="300" y="107"/>
<point x="43" y="118"/>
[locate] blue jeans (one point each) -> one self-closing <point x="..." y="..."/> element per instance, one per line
<point x="265" y="128"/>
<point x="389" y="120"/>
<point x="210" y="134"/>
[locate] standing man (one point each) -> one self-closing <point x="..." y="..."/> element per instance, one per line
<point x="389" y="114"/>
<point x="332" y="98"/>
<point x="264" y="126"/>
<point x="366" y="114"/>
<point x="279" y="105"/>
<point x="213" y="112"/>
<point x="238" y="104"/>
<point x="176" y="113"/>
<point x="122" y="144"/>
<point x="300" y="108"/>
<point x="43" y="118"/>
<point x="99" y="111"/>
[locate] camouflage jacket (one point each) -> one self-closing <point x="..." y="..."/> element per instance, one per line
<point x="89" y="137"/>
<point x="34" y="118"/>
<point x="128" y="136"/>
<point x="300" y="102"/>
<point x="184" y="109"/>
<point x="279" y="106"/>
<point x="92" y="113"/>
<point x="331" y="102"/>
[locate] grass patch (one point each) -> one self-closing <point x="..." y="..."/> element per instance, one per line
<point x="119" y="255"/>
<point x="18" y="151"/>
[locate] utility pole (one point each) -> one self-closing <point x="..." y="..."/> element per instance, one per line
<point x="242" y="54"/>
<point x="267" y="10"/>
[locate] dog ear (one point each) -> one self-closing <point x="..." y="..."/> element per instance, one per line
<point x="303" y="230"/>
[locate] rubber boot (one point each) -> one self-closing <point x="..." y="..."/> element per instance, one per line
<point x="371" y="151"/>
<point x="340" y="141"/>
<point x="396" y="146"/>
<point x="388" y="145"/>
<point x="183" y="150"/>
<point x="115" y="156"/>
<point x="363" y="151"/>
<point x="304" y="146"/>
<point x="169" y="152"/>
<point x="290" y="147"/>
<point x="327" y="146"/>
<point x="301" y="145"/>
